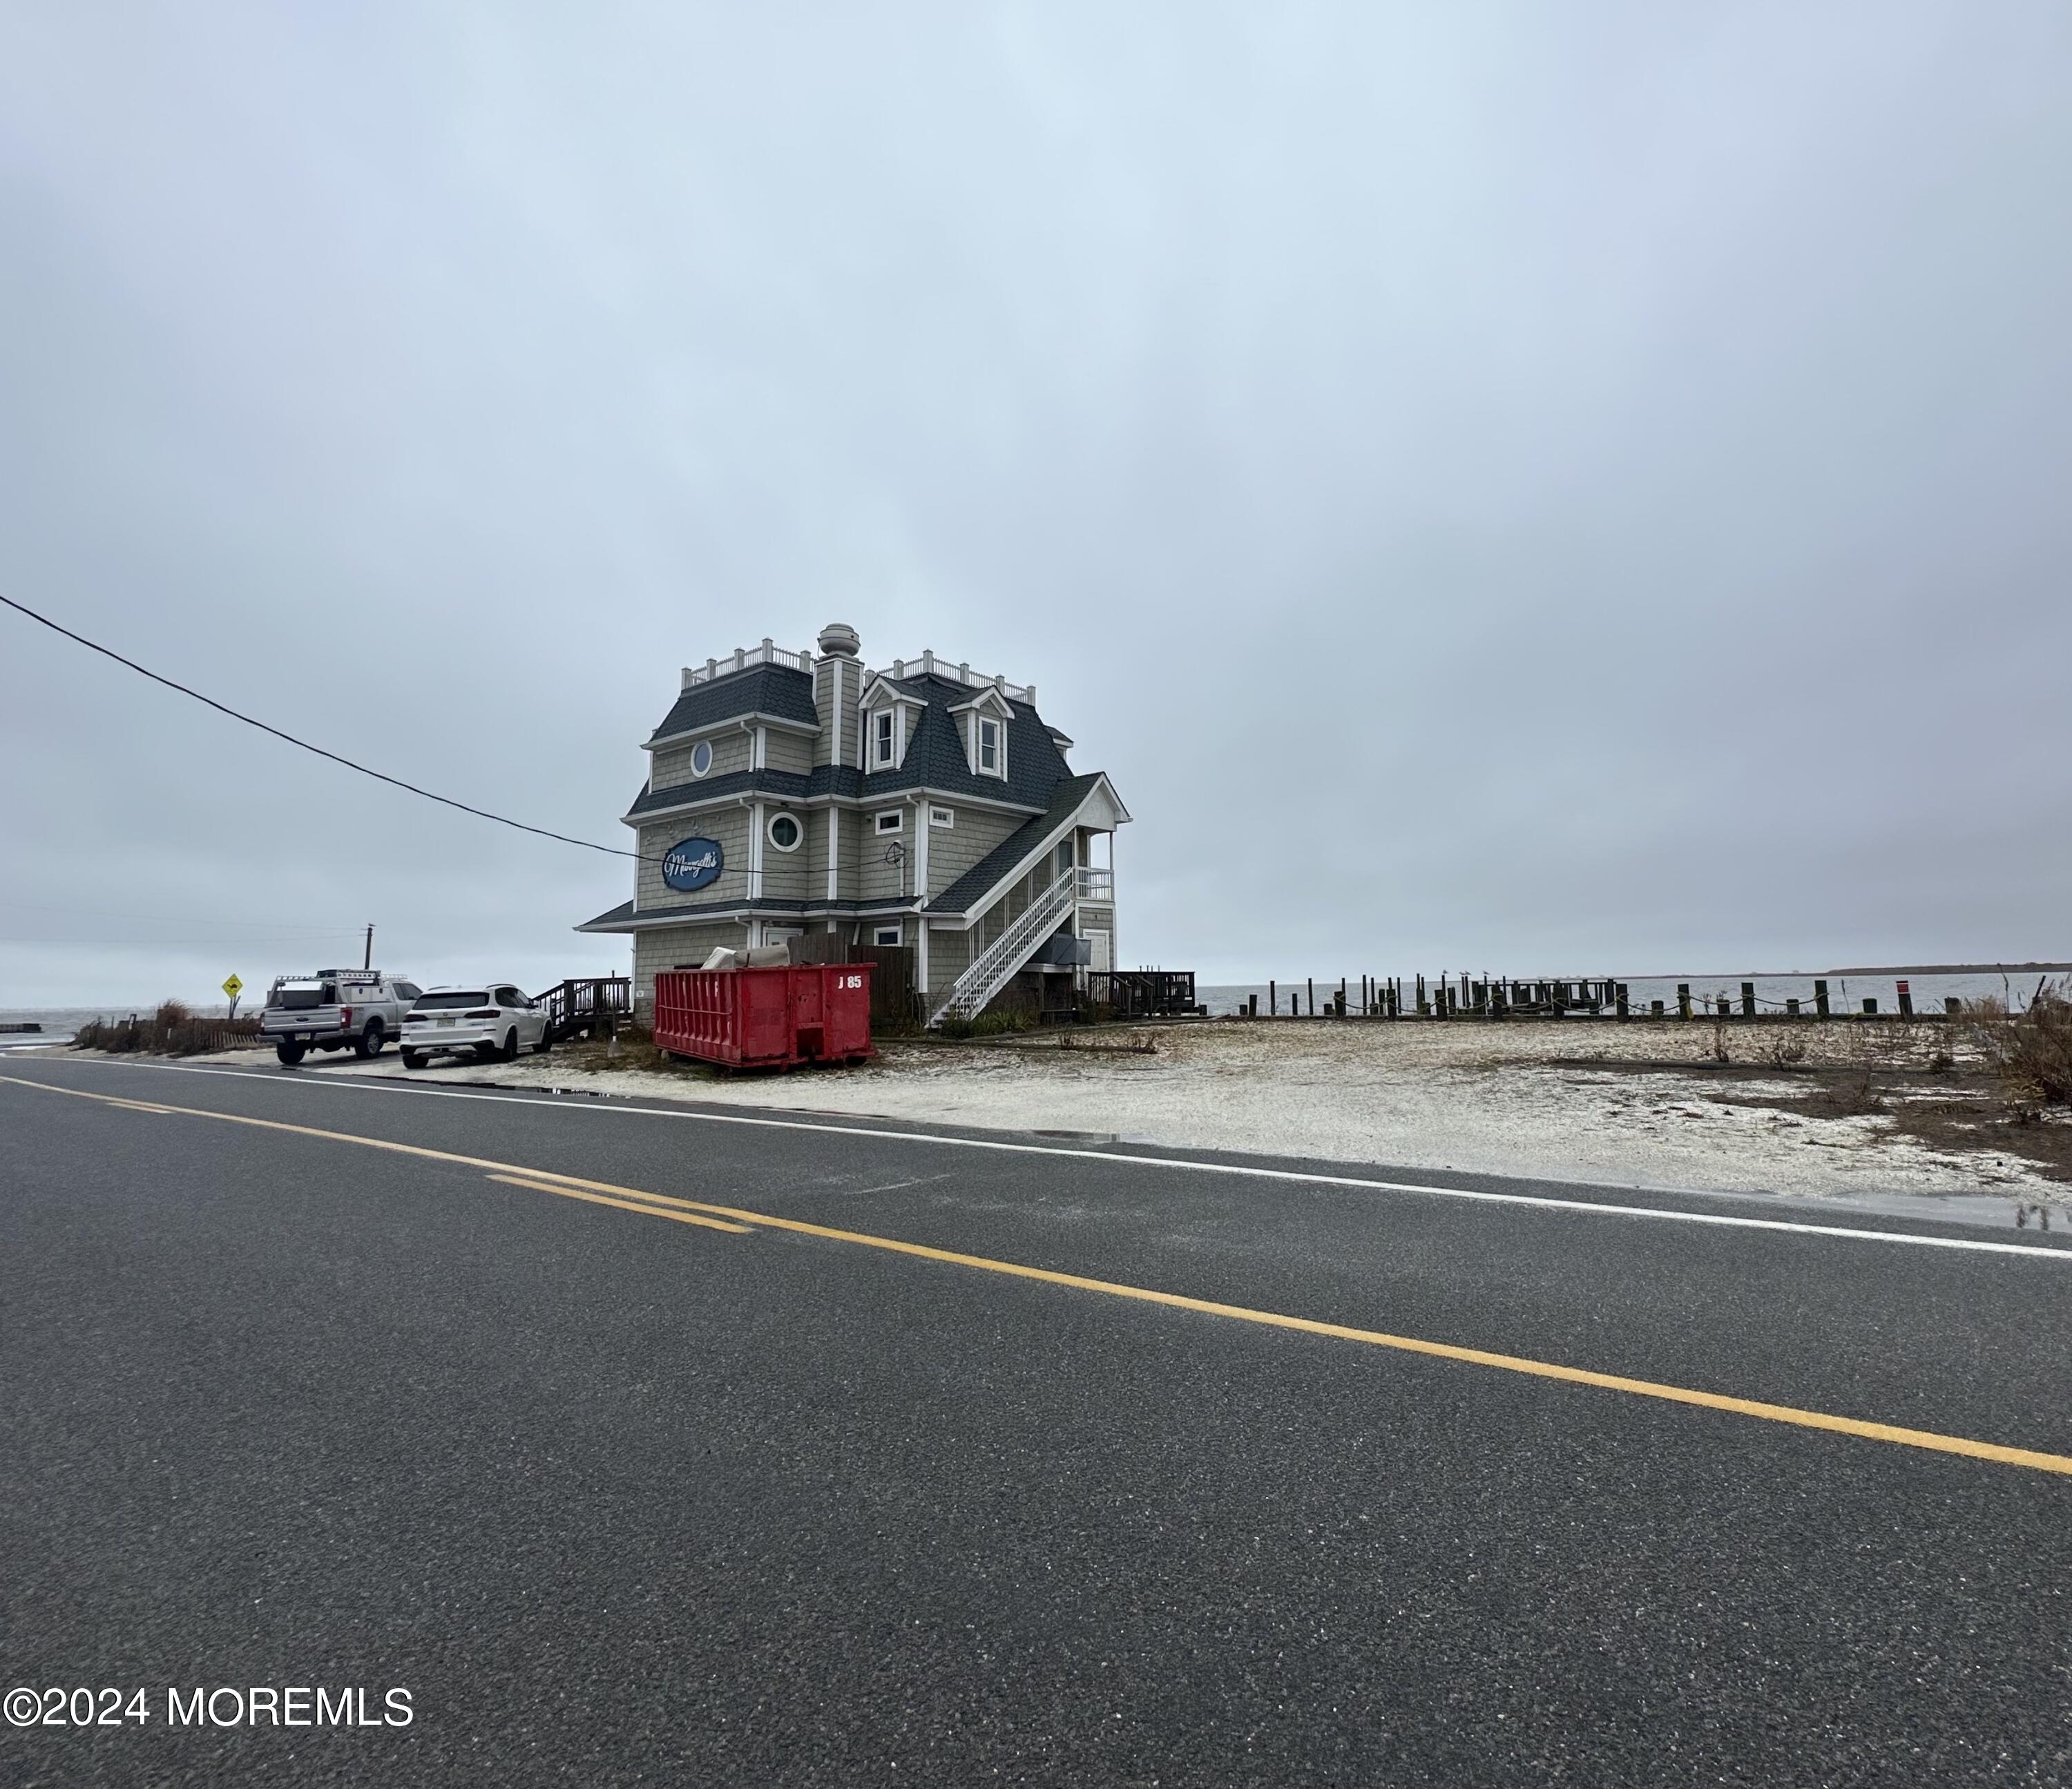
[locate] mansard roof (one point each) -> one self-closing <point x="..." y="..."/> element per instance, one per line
<point x="774" y="689"/>
<point x="936" y="753"/>
<point x="935" y="750"/>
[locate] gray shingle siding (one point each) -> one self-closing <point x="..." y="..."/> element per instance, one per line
<point x="1001" y="860"/>
<point x="954" y="850"/>
<point x="826" y="779"/>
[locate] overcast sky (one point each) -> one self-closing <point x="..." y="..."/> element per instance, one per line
<point x="1547" y="488"/>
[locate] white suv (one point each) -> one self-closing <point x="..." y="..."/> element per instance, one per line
<point x="486" y="1022"/>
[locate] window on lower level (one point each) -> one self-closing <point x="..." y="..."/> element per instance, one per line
<point x="785" y="831"/>
<point x="942" y="817"/>
<point x="891" y="820"/>
<point x="885" y="934"/>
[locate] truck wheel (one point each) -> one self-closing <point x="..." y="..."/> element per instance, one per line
<point x="289" y="1053"/>
<point x="413" y="1059"/>
<point x="370" y="1040"/>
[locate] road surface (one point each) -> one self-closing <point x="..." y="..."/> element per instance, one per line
<point x="700" y="1446"/>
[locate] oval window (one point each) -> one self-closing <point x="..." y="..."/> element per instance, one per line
<point x="702" y="758"/>
<point x="785" y="832"/>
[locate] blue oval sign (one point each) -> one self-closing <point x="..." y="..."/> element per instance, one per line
<point x="693" y="864"/>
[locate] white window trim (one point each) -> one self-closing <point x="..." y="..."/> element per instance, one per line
<point x="944" y="817"/>
<point x="896" y="713"/>
<point x="878" y="937"/>
<point x="705" y="747"/>
<point x="897" y="815"/>
<point x="975" y="741"/>
<point x="798" y="825"/>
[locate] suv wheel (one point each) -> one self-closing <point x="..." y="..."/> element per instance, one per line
<point x="289" y="1053"/>
<point x="510" y="1050"/>
<point x="413" y="1059"/>
<point x="370" y="1040"/>
<point x="546" y="1041"/>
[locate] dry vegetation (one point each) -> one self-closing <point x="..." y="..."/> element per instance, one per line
<point x="1989" y="1083"/>
<point x="174" y="1030"/>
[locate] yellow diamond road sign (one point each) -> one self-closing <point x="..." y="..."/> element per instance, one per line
<point x="233" y="987"/>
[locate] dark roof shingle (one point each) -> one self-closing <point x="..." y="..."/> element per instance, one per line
<point x="936" y="753"/>
<point x="761" y="689"/>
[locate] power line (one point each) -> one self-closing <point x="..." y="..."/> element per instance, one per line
<point x="379" y="776"/>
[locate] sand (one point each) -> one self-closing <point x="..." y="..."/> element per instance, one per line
<point x="1536" y="1100"/>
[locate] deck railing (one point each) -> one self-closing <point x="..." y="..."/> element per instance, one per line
<point x="994" y="967"/>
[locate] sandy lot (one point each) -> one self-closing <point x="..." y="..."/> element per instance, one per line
<point x="1560" y="1101"/>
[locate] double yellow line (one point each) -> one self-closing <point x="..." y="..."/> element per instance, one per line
<point x="623" y="1198"/>
<point x="740" y="1223"/>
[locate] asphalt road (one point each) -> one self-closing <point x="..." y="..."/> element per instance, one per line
<point x="619" y="1497"/>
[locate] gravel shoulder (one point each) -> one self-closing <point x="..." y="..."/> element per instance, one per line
<point x="1817" y="1111"/>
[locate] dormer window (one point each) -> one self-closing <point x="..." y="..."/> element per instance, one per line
<point x="988" y="748"/>
<point x="885" y="745"/>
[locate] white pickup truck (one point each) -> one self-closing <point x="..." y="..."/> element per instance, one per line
<point x="333" y="1008"/>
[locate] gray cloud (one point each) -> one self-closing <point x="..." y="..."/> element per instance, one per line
<point x="1493" y="486"/>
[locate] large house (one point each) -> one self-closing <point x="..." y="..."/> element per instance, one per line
<point x="923" y="805"/>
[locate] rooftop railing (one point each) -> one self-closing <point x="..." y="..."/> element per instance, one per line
<point x="928" y="665"/>
<point x="742" y="658"/>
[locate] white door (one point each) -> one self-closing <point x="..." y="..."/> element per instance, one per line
<point x="1103" y="954"/>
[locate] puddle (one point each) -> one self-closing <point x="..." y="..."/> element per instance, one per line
<point x="1992" y="1211"/>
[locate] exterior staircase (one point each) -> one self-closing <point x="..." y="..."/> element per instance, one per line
<point x="994" y="967"/>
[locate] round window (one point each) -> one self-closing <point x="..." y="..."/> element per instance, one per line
<point x="785" y="831"/>
<point x="702" y="758"/>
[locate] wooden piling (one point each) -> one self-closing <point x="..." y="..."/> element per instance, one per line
<point x="1820" y="998"/>
<point x="1748" y="1000"/>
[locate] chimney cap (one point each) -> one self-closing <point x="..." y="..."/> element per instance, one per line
<point x="838" y="640"/>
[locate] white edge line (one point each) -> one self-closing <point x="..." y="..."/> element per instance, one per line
<point x="1595" y="1207"/>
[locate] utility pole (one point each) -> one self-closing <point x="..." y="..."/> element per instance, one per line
<point x="366" y="961"/>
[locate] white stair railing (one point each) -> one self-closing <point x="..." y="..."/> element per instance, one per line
<point x="994" y="967"/>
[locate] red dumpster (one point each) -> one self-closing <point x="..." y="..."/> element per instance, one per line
<point x="765" y="1018"/>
